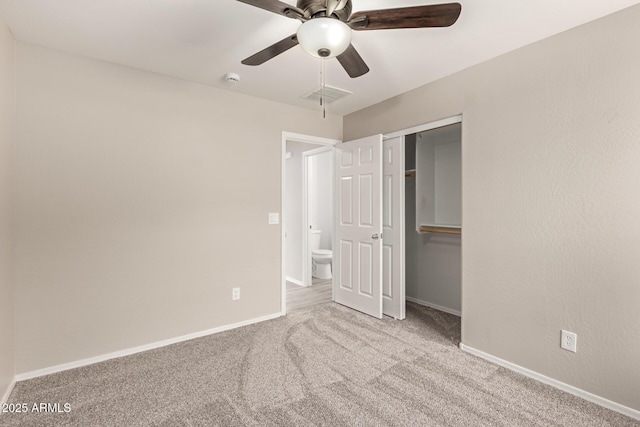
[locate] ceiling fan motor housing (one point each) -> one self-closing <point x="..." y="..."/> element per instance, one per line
<point x="313" y="8"/>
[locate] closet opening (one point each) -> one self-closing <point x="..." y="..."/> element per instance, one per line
<point x="433" y="217"/>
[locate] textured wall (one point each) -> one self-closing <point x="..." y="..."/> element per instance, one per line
<point x="7" y="184"/>
<point x="551" y="237"/>
<point x="142" y="201"/>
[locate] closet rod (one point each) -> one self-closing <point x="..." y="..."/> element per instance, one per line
<point x="440" y="230"/>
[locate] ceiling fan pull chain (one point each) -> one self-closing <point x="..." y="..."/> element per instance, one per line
<point x="321" y="81"/>
<point x="322" y="85"/>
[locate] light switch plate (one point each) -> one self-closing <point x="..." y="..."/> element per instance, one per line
<point x="274" y="218"/>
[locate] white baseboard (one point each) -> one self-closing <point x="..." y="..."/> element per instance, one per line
<point x="7" y="393"/>
<point x="434" y="306"/>
<point x="624" y="410"/>
<point x="294" y="281"/>
<point x="139" y="349"/>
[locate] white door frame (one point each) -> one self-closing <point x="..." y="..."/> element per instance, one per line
<point x="306" y="255"/>
<point x="291" y="136"/>
<point x="427" y="126"/>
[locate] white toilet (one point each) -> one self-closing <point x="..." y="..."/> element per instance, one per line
<point x="321" y="258"/>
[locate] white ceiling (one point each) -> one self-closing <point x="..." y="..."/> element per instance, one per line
<point x="202" y="40"/>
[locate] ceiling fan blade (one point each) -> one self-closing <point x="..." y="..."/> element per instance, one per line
<point x="272" y="51"/>
<point x="437" y="15"/>
<point x="352" y="62"/>
<point x="276" y="6"/>
<point x="333" y="5"/>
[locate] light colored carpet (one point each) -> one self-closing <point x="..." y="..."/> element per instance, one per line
<point x="325" y="365"/>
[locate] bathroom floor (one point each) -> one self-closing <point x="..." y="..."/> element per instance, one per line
<point x="300" y="296"/>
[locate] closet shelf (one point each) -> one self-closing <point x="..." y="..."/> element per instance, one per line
<point x="410" y="173"/>
<point x="440" y="230"/>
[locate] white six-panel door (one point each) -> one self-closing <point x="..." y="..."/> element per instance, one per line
<point x="393" y="286"/>
<point x="357" y="251"/>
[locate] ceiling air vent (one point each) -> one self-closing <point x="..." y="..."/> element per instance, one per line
<point x="330" y="94"/>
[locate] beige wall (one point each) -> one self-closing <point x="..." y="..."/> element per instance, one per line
<point x="7" y="188"/>
<point x="551" y="202"/>
<point x="142" y="201"/>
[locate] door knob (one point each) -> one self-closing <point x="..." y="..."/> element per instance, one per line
<point x="375" y="237"/>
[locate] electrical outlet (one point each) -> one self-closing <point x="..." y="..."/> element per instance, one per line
<point x="235" y="294"/>
<point x="569" y="341"/>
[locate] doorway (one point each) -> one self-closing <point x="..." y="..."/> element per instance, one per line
<point x="433" y="214"/>
<point x="317" y="210"/>
<point x="307" y="200"/>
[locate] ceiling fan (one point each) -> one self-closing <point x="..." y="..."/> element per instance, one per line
<point x="326" y="27"/>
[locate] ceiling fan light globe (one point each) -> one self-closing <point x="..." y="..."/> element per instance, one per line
<point x="324" y="37"/>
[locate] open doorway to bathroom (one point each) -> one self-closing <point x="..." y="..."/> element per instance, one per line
<point x="307" y="221"/>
